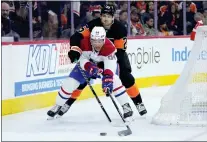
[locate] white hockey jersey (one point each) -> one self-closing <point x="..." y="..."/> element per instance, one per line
<point x="106" y="55"/>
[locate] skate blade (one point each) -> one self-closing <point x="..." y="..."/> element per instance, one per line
<point x="55" y="117"/>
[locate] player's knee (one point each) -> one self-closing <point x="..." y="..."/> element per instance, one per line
<point x="70" y="84"/>
<point x="66" y="90"/>
<point x="62" y="96"/>
<point x="127" y="79"/>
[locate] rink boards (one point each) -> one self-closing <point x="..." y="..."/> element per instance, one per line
<point x="32" y="72"/>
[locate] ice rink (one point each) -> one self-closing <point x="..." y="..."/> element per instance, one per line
<point x="85" y="121"/>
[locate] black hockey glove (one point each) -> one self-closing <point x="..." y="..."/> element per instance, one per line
<point x="73" y="55"/>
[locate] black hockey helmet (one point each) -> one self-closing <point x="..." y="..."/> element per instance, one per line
<point x="108" y="9"/>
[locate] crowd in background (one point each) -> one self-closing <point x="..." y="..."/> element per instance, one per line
<point x="52" y="19"/>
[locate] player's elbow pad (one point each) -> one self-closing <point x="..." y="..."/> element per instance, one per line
<point x="74" y="53"/>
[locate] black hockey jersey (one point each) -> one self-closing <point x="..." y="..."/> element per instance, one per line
<point x="117" y="33"/>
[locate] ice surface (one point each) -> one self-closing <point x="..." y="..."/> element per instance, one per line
<point x="85" y="121"/>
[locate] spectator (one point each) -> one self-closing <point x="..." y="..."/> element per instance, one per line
<point x="141" y="6"/>
<point x="37" y="30"/>
<point x="199" y="6"/>
<point x="199" y="18"/>
<point x="163" y="29"/>
<point x="51" y="26"/>
<point x="95" y="5"/>
<point x="84" y="8"/>
<point x="96" y="13"/>
<point x="21" y="18"/>
<point x="173" y="19"/>
<point x="123" y="18"/>
<point x="84" y="13"/>
<point x="7" y="24"/>
<point x="133" y="8"/>
<point x="163" y="11"/>
<point x="123" y="5"/>
<point x="149" y="26"/>
<point x="150" y="8"/>
<point x="64" y="21"/>
<point x="113" y="3"/>
<point x="5" y="17"/>
<point x="116" y="14"/>
<point x="191" y="8"/>
<point x="149" y="11"/>
<point x="89" y="8"/>
<point x="136" y="26"/>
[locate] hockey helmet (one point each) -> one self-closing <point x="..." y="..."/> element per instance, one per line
<point x="108" y="9"/>
<point x="98" y="33"/>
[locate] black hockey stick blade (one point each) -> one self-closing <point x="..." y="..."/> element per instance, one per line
<point x="125" y="132"/>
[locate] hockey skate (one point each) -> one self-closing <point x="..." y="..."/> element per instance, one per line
<point x="141" y="109"/>
<point x="63" y="110"/>
<point x="53" y="111"/>
<point x="127" y="111"/>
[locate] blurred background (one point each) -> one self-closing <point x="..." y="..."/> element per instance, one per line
<point x="46" y="20"/>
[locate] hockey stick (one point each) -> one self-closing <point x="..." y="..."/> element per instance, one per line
<point x="94" y="93"/>
<point x="124" y="132"/>
<point x="120" y="133"/>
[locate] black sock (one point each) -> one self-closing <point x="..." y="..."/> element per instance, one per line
<point x="137" y="99"/>
<point x="70" y="101"/>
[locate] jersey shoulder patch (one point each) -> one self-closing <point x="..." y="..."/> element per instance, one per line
<point x="108" y="48"/>
<point x="85" y="44"/>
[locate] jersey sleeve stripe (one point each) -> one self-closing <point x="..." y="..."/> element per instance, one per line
<point x="76" y="48"/>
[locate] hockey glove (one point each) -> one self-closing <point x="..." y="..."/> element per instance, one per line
<point x="93" y="70"/>
<point x="107" y="84"/>
<point x="74" y="54"/>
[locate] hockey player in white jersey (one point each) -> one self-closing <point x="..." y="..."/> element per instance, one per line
<point x="97" y="57"/>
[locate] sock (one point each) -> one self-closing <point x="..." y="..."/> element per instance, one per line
<point x="70" y="101"/>
<point x="121" y="95"/>
<point x="73" y="97"/>
<point x="134" y="94"/>
<point x="137" y="99"/>
<point x="76" y="94"/>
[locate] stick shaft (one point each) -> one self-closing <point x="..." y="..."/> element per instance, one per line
<point x="94" y="93"/>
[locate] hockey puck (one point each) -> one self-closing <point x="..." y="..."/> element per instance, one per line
<point x="103" y="134"/>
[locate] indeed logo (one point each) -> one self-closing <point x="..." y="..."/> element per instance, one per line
<point x="183" y="55"/>
<point x="41" y="59"/>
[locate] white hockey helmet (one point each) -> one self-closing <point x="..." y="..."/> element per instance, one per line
<point x="98" y="33"/>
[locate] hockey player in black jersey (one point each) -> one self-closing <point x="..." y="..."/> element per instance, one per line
<point x="117" y="33"/>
